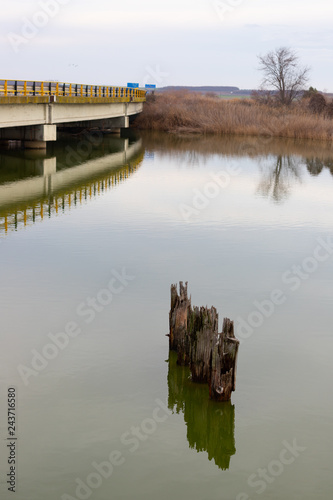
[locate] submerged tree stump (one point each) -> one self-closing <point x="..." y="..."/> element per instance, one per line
<point x="212" y="356"/>
<point x="202" y="334"/>
<point x="223" y="364"/>
<point x="178" y="318"/>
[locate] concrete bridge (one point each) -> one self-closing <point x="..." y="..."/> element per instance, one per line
<point x="31" y="111"/>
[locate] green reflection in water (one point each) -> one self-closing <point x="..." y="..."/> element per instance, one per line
<point x="210" y="425"/>
<point x="47" y="185"/>
<point x="14" y="166"/>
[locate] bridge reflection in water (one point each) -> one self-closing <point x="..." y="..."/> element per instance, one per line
<point x="50" y="185"/>
<point x="210" y="425"/>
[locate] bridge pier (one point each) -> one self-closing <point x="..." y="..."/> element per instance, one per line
<point x="33" y="136"/>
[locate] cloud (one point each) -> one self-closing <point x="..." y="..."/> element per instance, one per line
<point x="186" y="39"/>
<point x="286" y="12"/>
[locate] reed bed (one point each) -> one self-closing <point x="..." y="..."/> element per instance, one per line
<point x="179" y="112"/>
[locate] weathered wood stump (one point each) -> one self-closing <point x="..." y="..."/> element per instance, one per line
<point x="178" y="319"/>
<point x="223" y="364"/>
<point x="202" y="334"/>
<point x="212" y="356"/>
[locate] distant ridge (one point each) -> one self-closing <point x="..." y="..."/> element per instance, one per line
<point x="209" y="88"/>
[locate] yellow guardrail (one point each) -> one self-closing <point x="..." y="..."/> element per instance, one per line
<point x="40" y="88"/>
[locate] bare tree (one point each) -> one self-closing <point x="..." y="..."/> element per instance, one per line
<point x="283" y="73"/>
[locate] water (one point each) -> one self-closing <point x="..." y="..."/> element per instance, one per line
<point x="248" y="223"/>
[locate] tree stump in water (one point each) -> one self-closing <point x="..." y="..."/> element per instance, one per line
<point x="178" y="318"/>
<point x="202" y="333"/>
<point x="223" y="364"/>
<point x="212" y="356"/>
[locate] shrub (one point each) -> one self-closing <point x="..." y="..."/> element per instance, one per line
<point x="317" y="103"/>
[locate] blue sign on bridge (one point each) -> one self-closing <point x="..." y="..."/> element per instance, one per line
<point x="133" y="85"/>
<point x="150" y="86"/>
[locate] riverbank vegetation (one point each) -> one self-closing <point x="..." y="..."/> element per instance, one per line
<point x="186" y="112"/>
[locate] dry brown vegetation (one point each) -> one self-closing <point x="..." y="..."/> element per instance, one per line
<point x="181" y="112"/>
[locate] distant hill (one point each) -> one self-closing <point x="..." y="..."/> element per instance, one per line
<point x="219" y="90"/>
<point x="225" y="90"/>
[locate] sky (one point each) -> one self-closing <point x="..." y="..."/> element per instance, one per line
<point x="178" y="42"/>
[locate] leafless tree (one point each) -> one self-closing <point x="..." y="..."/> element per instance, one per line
<point x="283" y="73"/>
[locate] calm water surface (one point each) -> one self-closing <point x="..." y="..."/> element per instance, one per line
<point x="248" y="223"/>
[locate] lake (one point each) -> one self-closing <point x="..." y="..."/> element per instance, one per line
<point x="92" y="235"/>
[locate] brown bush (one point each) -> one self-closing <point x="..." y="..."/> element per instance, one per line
<point x="329" y="109"/>
<point x="317" y="103"/>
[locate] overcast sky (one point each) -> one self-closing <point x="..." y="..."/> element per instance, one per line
<point x="177" y="42"/>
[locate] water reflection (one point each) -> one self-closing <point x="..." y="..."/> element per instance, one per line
<point x="280" y="161"/>
<point x="75" y="169"/>
<point x="45" y="185"/>
<point x="284" y="171"/>
<point x="278" y="177"/>
<point x="14" y="166"/>
<point x="233" y="146"/>
<point x="315" y="165"/>
<point x="210" y="426"/>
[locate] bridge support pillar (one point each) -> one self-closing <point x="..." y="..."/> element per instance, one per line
<point x="38" y="136"/>
<point x="33" y="136"/>
<point x="120" y="122"/>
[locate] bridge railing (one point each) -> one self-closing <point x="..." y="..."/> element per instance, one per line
<point x="41" y="88"/>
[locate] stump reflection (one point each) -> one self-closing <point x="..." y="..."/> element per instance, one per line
<point x="210" y="425"/>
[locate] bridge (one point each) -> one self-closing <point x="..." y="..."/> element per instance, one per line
<point x="30" y="111"/>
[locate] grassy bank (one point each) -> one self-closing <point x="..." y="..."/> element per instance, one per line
<point x="195" y="113"/>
